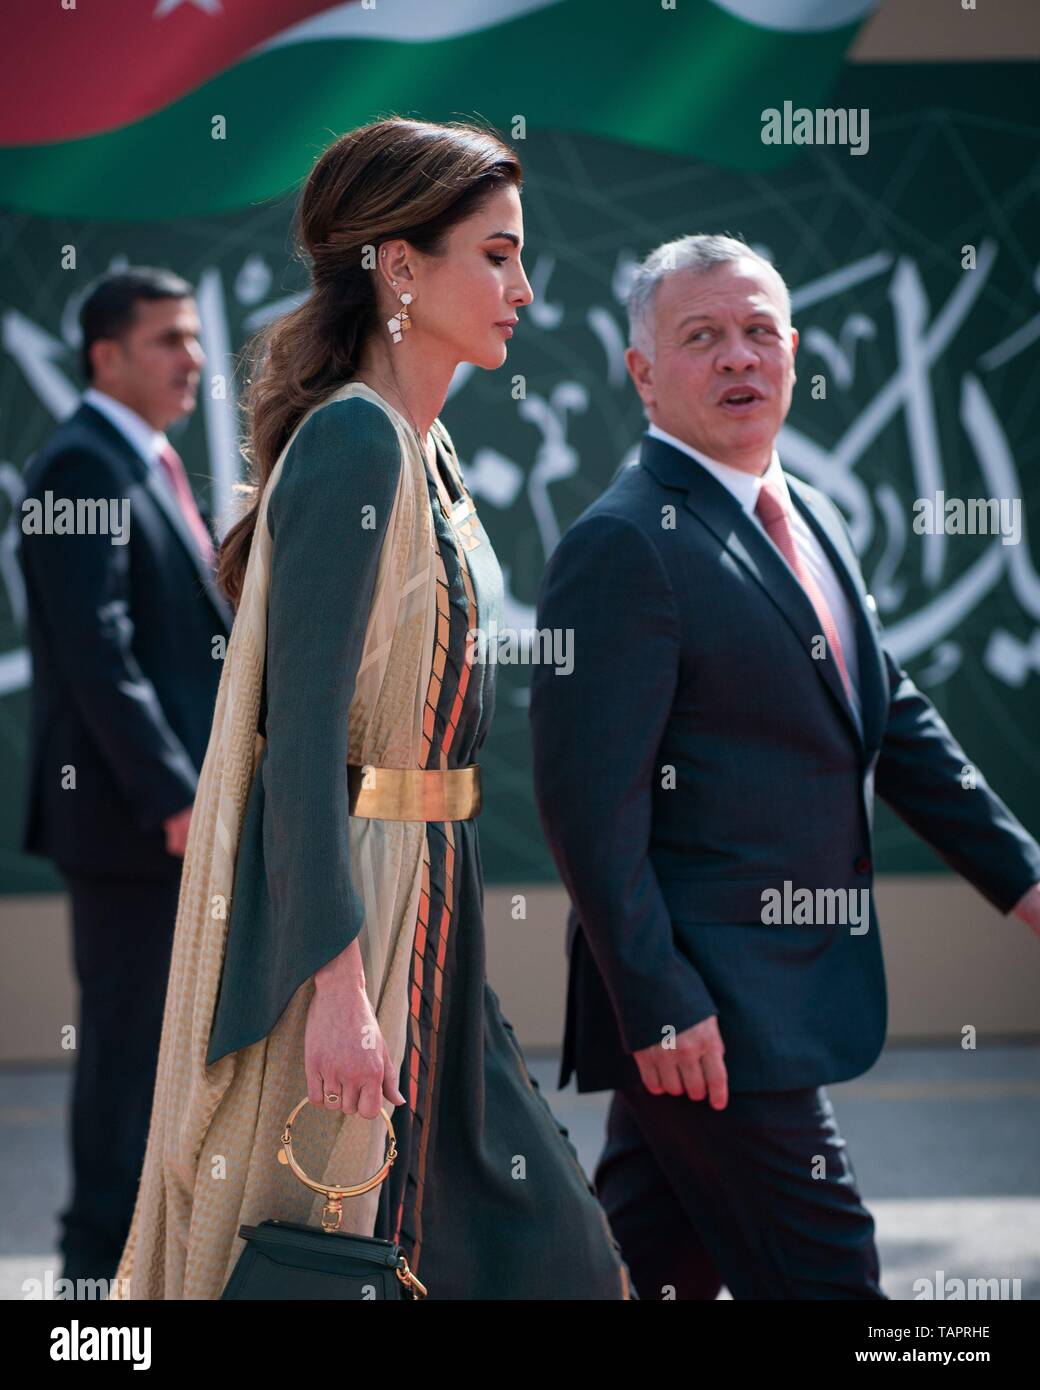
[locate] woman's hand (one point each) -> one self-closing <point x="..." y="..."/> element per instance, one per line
<point x="344" y="1050"/>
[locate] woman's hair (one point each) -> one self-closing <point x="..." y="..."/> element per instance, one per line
<point x="394" y="178"/>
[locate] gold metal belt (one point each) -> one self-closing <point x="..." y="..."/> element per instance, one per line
<point x="408" y="793"/>
<point x="414" y="793"/>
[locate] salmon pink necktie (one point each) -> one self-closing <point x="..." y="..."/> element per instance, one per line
<point x="174" y="470"/>
<point x="773" y="515"/>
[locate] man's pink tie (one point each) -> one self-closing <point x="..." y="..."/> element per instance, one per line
<point x="771" y="512"/>
<point x="174" y="470"/>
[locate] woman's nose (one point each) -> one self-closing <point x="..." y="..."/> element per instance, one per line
<point x="524" y="293"/>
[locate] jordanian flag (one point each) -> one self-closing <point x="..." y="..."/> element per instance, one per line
<point x="167" y="108"/>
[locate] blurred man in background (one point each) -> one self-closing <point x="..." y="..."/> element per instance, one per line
<point x="126" y="633"/>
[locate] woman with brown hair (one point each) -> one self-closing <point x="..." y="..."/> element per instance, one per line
<point x="330" y="937"/>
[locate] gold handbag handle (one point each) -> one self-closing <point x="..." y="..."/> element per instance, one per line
<point x="332" y="1213"/>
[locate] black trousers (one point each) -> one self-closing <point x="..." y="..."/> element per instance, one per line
<point x="122" y="936"/>
<point x="760" y="1196"/>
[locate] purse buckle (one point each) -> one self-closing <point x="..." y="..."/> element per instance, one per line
<point x="416" y="1288"/>
<point x="332" y="1212"/>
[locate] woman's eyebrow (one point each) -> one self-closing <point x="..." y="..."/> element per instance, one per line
<point x="503" y="236"/>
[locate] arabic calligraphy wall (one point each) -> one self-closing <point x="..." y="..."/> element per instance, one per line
<point x="930" y="372"/>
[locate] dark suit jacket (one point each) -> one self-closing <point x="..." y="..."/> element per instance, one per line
<point x="124" y="669"/>
<point x="693" y="651"/>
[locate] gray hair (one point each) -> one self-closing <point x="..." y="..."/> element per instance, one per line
<point x="697" y="253"/>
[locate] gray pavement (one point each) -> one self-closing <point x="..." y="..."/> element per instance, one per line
<point x="945" y="1144"/>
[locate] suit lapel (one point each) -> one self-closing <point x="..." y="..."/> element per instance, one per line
<point x="165" y="501"/>
<point x="171" y="508"/>
<point x="873" y="678"/>
<point x="718" y="510"/>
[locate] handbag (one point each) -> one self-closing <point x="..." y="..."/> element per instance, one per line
<point x="287" y="1260"/>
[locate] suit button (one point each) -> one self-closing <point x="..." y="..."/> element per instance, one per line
<point x="862" y="865"/>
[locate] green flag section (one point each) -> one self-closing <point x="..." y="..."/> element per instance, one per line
<point x="693" y="80"/>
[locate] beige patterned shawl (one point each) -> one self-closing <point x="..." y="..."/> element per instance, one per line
<point x="211" y="1162"/>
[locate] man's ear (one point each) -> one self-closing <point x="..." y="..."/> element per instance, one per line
<point x="102" y="352"/>
<point x="794" y="341"/>
<point x="641" y="370"/>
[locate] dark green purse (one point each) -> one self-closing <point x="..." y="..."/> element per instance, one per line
<point x="286" y="1260"/>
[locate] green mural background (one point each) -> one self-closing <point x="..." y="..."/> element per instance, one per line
<point x="931" y="382"/>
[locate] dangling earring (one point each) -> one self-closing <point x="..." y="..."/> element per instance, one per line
<point x="400" y="323"/>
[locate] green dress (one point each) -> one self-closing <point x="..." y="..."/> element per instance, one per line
<point x="487" y="1196"/>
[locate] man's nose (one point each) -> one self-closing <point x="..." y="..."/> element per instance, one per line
<point x="736" y="354"/>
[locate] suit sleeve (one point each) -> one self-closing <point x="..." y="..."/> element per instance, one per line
<point x="920" y="773"/>
<point x="295" y="906"/>
<point x="596" y="734"/>
<point x="82" y="585"/>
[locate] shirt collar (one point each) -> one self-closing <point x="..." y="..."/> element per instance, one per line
<point x="139" y="434"/>
<point x="743" y="486"/>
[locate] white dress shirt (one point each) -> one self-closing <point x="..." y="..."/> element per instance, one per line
<point x="143" y="438"/>
<point x="744" y="487"/>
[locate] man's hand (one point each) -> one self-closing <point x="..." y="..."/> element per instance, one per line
<point x="176" y="828"/>
<point x="692" y="1066"/>
<point x="1028" y="907"/>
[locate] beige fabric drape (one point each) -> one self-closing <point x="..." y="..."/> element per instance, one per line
<point x="211" y="1162"/>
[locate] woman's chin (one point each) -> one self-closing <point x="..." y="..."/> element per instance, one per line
<point x="489" y="359"/>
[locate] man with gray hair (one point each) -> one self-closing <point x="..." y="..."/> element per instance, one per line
<point x="714" y="752"/>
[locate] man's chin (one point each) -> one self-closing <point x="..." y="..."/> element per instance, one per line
<point x="747" y="434"/>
